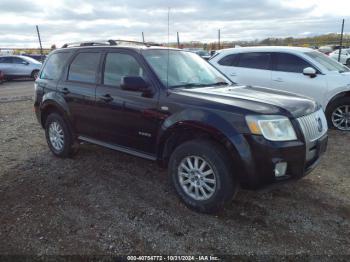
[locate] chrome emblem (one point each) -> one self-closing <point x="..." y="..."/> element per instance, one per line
<point x="319" y="124"/>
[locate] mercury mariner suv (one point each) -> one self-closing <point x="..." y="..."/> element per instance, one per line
<point x="171" y="106"/>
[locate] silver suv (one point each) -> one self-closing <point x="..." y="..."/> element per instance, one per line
<point x="19" y="66"/>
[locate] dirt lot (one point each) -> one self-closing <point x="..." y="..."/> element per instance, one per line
<point x="105" y="202"/>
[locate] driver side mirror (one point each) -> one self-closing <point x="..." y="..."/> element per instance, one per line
<point x="134" y="83"/>
<point x="309" y="71"/>
<point x="24" y="63"/>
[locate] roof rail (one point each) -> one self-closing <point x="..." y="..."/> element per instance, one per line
<point x="109" y="42"/>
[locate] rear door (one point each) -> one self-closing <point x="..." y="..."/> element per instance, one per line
<point x="125" y="118"/>
<point x="287" y="75"/>
<point x="6" y="65"/>
<point x="78" y="90"/>
<point x="254" y="69"/>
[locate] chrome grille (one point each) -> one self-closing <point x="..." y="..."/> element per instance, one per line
<point x="314" y="125"/>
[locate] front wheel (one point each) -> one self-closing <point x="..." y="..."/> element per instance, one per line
<point x="35" y="74"/>
<point x="202" y="174"/>
<point x="338" y="114"/>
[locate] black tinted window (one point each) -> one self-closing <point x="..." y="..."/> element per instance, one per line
<point x="54" y="66"/>
<point x="6" y="60"/>
<point x="289" y="63"/>
<point x="119" y="65"/>
<point x="255" y="60"/>
<point x="84" y="67"/>
<point x="229" y="60"/>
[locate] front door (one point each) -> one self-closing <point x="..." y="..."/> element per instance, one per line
<point x="126" y="118"/>
<point x="287" y="75"/>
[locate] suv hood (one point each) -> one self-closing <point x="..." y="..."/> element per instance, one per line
<point x="256" y="99"/>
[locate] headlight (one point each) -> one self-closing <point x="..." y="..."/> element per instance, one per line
<point x="272" y="127"/>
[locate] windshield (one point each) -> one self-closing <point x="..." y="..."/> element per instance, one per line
<point x="186" y="69"/>
<point x="329" y="63"/>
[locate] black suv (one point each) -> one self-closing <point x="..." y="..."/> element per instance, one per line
<point x="173" y="107"/>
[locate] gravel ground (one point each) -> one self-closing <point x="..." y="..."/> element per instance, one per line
<point x="105" y="202"/>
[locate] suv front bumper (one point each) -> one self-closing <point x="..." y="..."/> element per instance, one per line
<point x="300" y="159"/>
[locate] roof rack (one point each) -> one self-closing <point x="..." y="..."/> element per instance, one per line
<point x="109" y="42"/>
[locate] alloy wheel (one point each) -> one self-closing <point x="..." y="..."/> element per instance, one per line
<point x="341" y="117"/>
<point x="56" y="136"/>
<point x="197" y="178"/>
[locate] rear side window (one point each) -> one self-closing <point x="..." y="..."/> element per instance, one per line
<point x="229" y="60"/>
<point x="6" y="60"/>
<point x="255" y="60"/>
<point x="54" y="66"/>
<point x="84" y="67"/>
<point x="119" y="65"/>
<point x="289" y="63"/>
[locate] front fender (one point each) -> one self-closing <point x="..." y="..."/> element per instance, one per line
<point x="224" y="125"/>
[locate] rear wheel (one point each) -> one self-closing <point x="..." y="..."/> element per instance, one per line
<point x="202" y="174"/>
<point x="338" y="114"/>
<point x="58" y="136"/>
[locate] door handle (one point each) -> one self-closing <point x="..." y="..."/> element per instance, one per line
<point x="233" y="74"/>
<point x="65" y="91"/>
<point x="106" y="98"/>
<point x="278" y="79"/>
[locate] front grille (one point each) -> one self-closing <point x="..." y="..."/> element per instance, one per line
<point x="314" y="126"/>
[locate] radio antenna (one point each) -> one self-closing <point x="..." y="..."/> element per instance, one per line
<point x="167" y="68"/>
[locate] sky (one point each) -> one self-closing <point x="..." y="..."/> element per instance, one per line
<point x="62" y="21"/>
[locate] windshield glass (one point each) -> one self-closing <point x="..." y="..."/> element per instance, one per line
<point x="329" y="63"/>
<point x="186" y="69"/>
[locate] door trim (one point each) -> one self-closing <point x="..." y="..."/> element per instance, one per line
<point x="118" y="148"/>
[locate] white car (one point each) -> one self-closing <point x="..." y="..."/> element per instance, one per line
<point x="344" y="56"/>
<point x="14" y="66"/>
<point x="292" y="69"/>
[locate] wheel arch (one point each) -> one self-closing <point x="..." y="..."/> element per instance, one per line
<point x="335" y="98"/>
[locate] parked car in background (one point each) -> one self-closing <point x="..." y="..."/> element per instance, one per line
<point x="344" y="56"/>
<point x="2" y="77"/>
<point x="327" y="49"/>
<point x="199" y="51"/>
<point x="171" y="106"/>
<point x="293" y="69"/>
<point x="38" y="57"/>
<point x="19" y="66"/>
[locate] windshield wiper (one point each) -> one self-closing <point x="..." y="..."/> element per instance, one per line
<point x="222" y="83"/>
<point x="188" y="85"/>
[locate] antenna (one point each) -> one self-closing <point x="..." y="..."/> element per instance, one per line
<point x="167" y="68"/>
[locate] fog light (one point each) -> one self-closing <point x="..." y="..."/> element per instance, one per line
<point x="280" y="169"/>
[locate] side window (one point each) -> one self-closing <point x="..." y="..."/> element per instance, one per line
<point x="255" y="60"/>
<point x="54" y="66"/>
<point x="84" y="67"/>
<point x="6" y="60"/>
<point x="118" y="65"/>
<point x="290" y="63"/>
<point x="229" y="60"/>
<point x="17" y="60"/>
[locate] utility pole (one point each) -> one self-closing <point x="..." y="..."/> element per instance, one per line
<point x="341" y="40"/>
<point x="41" y="47"/>
<point x="219" y="39"/>
<point x="178" y="40"/>
<point x="143" y="38"/>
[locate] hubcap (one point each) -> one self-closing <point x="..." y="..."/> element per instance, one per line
<point x="341" y="117"/>
<point x="197" y="178"/>
<point x="56" y="136"/>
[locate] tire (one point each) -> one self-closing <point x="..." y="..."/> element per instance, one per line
<point x="218" y="161"/>
<point x="60" y="141"/>
<point x="334" y="111"/>
<point x="347" y="63"/>
<point x="34" y="74"/>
